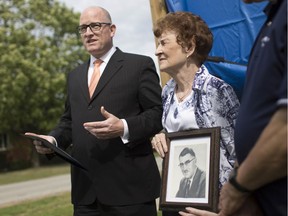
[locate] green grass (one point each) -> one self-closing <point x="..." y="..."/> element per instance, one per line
<point x="57" y="205"/>
<point x="33" y="173"/>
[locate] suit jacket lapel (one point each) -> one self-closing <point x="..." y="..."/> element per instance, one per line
<point x="83" y="79"/>
<point x="113" y="66"/>
<point x="196" y="178"/>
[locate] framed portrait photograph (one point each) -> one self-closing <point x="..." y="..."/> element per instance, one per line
<point x="190" y="173"/>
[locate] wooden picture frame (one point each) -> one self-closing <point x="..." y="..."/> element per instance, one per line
<point x="206" y="145"/>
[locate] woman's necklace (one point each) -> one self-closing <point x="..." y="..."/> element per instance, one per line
<point x="181" y="98"/>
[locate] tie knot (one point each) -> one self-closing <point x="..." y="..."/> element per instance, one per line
<point x="97" y="62"/>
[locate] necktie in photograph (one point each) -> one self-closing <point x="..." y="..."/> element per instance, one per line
<point x="187" y="187"/>
<point x="95" y="76"/>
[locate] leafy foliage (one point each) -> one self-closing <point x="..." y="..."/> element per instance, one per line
<point x="39" y="46"/>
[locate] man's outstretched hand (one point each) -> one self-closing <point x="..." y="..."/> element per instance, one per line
<point x="111" y="127"/>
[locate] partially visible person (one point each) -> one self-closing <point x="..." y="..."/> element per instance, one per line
<point x="261" y="128"/>
<point x="192" y="185"/>
<point x="193" y="98"/>
<point x="110" y="125"/>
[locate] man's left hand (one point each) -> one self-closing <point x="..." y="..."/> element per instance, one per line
<point x="230" y="200"/>
<point x="111" y="127"/>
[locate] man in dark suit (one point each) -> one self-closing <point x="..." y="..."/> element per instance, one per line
<point x="194" y="181"/>
<point x="111" y="129"/>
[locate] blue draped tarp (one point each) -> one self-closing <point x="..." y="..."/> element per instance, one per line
<point x="235" y="26"/>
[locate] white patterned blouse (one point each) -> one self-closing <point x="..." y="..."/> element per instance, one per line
<point x="211" y="103"/>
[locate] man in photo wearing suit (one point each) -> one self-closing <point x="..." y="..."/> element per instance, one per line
<point x="192" y="185"/>
<point x="113" y="107"/>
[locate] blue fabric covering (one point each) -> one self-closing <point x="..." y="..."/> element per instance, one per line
<point x="235" y="26"/>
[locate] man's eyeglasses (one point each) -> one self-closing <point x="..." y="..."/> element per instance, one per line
<point x="94" y="27"/>
<point x="186" y="163"/>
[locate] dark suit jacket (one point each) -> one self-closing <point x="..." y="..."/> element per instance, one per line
<point x="118" y="174"/>
<point x="197" y="188"/>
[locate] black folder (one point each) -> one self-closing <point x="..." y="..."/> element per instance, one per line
<point x="58" y="151"/>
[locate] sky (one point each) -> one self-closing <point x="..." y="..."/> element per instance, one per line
<point x="133" y="21"/>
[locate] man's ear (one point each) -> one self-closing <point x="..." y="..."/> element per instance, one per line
<point x="113" y="29"/>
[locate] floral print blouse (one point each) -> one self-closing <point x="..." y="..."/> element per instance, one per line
<point x="212" y="103"/>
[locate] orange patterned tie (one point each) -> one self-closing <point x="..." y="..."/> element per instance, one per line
<point x="95" y="76"/>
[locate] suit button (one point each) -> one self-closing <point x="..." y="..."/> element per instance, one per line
<point x="90" y="107"/>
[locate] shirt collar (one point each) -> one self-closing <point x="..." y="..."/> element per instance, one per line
<point x="105" y="58"/>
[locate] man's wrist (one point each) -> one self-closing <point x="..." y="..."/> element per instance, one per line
<point x="235" y="184"/>
<point x="125" y="136"/>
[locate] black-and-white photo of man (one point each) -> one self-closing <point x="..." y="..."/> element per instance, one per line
<point x="192" y="185"/>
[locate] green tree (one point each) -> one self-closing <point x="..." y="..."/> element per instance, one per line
<point x="39" y="46"/>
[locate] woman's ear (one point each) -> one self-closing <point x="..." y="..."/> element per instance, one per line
<point x="190" y="50"/>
